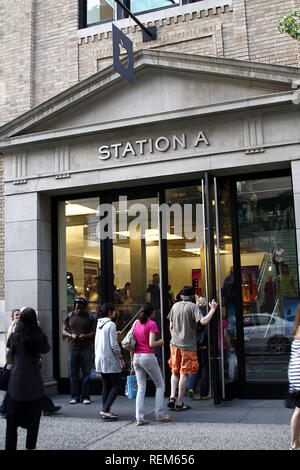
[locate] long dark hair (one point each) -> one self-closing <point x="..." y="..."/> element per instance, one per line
<point x="106" y="310"/>
<point x="28" y="331"/>
<point x="146" y="312"/>
<point x="297" y="321"/>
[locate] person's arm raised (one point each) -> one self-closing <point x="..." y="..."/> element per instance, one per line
<point x="213" y="307"/>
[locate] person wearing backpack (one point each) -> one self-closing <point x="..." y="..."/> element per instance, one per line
<point x="79" y="328"/>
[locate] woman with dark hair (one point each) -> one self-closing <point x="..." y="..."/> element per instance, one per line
<point x="25" y="387"/>
<point x="294" y="381"/>
<point x="108" y="358"/>
<point x="145" y="362"/>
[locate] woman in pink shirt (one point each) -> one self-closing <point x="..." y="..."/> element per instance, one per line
<point x="145" y="362"/>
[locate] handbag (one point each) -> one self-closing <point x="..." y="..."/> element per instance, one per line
<point x="129" y="342"/>
<point x="4" y="378"/>
<point x="131" y="386"/>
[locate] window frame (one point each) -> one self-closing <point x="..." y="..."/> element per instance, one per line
<point x="121" y="14"/>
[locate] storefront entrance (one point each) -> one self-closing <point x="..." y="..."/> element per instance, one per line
<point x="219" y="235"/>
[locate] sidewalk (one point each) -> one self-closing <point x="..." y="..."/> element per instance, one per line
<point x="235" y="425"/>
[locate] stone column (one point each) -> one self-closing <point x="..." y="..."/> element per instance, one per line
<point x="28" y="275"/>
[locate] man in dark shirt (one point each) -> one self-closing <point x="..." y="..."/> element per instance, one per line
<point x="79" y="328"/>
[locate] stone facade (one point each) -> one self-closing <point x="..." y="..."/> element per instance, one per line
<point x="45" y="53"/>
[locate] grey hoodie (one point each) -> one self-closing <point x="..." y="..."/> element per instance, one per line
<point x="107" y="347"/>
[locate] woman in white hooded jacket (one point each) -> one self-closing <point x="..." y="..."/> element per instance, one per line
<point x="108" y="359"/>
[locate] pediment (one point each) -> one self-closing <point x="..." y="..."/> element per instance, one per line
<point x="164" y="83"/>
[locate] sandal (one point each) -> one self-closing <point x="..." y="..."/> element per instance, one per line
<point x="163" y="419"/>
<point x="108" y="415"/>
<point x="182" y="407"/>
<point x="142" y="423"/>
<point x="171" y="403"/>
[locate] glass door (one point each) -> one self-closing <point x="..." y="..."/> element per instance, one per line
<point x="226" y="338"/>
<point x="136" y="267"/>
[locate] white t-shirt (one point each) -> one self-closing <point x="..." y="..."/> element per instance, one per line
<point x="279" y="255"/>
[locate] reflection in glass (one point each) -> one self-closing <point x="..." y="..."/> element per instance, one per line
<point x="226" y="333"/>
<point x="269" y="274"/>
<point x="136" y="261"/>
<point x="99" y="10"/>
<point x="137" y="6"/>
<point x="79" y="260"/>
<point x="186" y="266"/>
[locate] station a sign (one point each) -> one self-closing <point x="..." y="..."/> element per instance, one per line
<point x="150" y="145"/>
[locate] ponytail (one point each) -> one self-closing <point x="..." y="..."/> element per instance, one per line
<point x="146" y="312"/>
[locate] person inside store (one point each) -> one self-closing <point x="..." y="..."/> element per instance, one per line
<point x="228" y="295"/>
<point x="294" y="382"/>
<point x="286" y="286"/>
<point x="202" y="355"/>
<point x="183" y="317"/>
<point x="25" y="387"/>
<point x="249" y="292"/>
<point x="108" y="359"/>
<point x="171" y="297"/>
<point x="269" y="295"/>
<point x="71" y="291"/>
<point x="278" y="258"/>
<point x="79" y="328"/>
<point x="154" y="291"/>
<point x="125" y="301"/>
<point x="145" y="363"/>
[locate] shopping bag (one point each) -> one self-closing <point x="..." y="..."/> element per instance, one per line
<point x="131" y="386"/>
<point x="232" y="366"/>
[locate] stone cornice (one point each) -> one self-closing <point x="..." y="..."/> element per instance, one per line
<point x="241" y="105"/>
<point x="100" y="81"/>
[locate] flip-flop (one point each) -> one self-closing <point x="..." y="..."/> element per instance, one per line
<point x="113" y="416"/>
<point x="182" y="407"/>
<point x="142" y="423"/>
<point x="171" y="403"/>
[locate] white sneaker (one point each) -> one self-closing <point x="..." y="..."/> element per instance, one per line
<point x="86" y="401"/>
<point x="73" y="401"/>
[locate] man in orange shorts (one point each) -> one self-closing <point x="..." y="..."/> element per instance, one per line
<point x="183" y="318"/>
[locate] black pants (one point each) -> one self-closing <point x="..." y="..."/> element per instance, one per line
<point x="25" y="414"/>
<point x="110" y="390"/>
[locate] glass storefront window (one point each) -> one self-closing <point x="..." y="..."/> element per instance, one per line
<point x="99" y="10"/>
<point x="269" y="274"/>
<point x="136" y="268"/>
<point x="79" y="260"/>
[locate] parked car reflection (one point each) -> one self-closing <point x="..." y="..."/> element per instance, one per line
<point x="267" y="333"/>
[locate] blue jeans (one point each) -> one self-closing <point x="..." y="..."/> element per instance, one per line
<point x="203" y="371"/>
<point x="80" y="359"/>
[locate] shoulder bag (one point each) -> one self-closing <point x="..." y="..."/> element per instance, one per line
<point x="129" y="342"/>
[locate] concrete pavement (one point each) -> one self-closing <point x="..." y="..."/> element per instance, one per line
<point x="235" y="425"/>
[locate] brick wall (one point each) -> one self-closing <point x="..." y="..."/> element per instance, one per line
<point x="55" y="56"/>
